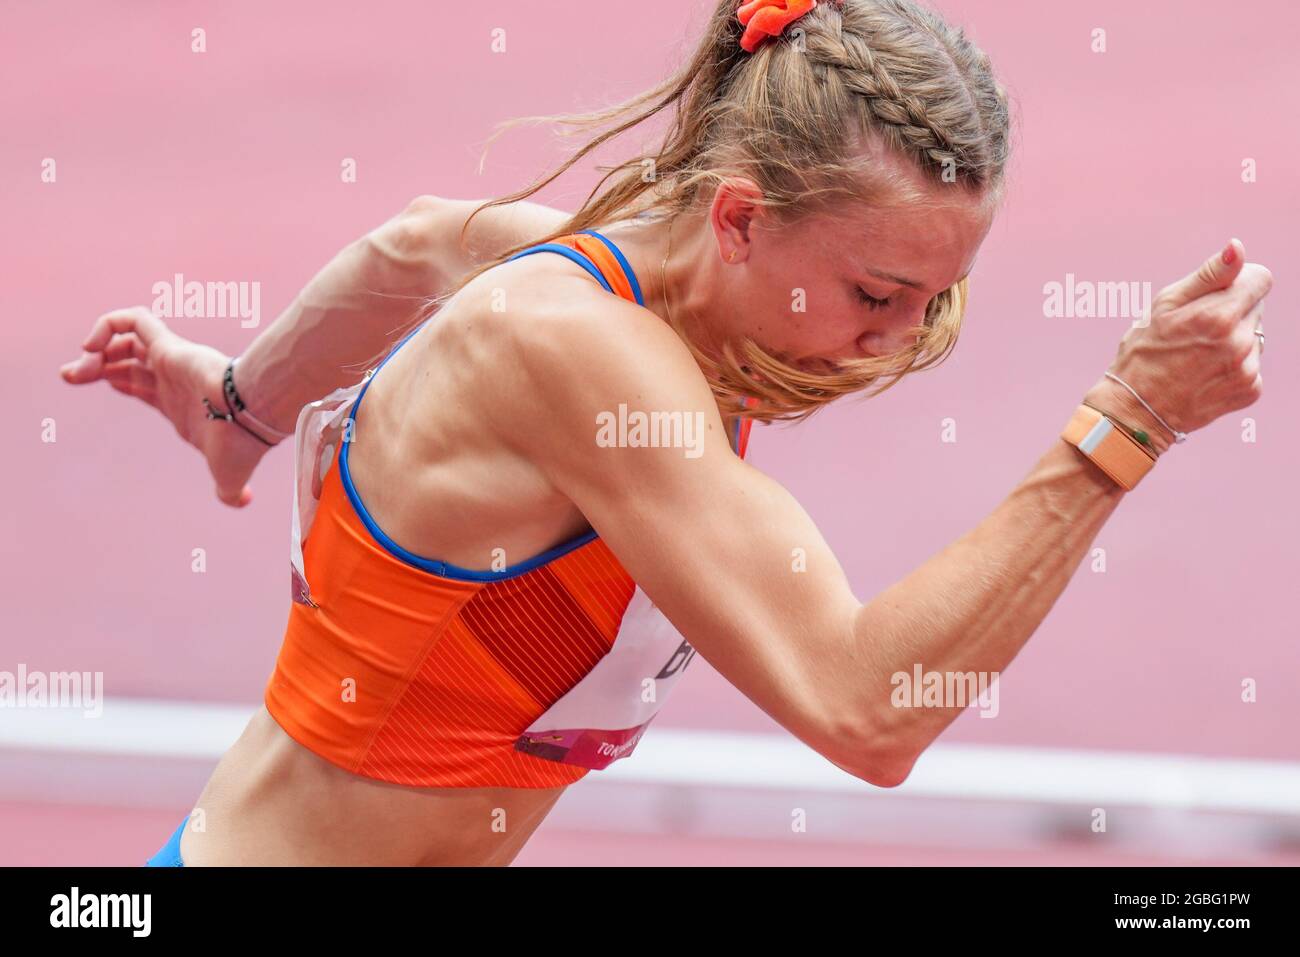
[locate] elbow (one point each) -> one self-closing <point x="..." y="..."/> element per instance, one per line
<point x="873" y="752"/>
<point x="887" y="771"/>
<point x="884" y="769"/>
<point x="410" y="241"/>
<point x="419" y="228"/>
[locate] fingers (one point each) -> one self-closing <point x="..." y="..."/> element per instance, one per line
<point x="1252" y="364"/>
<point x="138" y="320"/>
<point x="1248" y="383"/>
<point x="118" y="335"/>
<point x="126" y="345"/>
<point x="83" y="370"/>
<point x="93" y="366"/>
<point x="1242" y="376"/>
<point x="1241" y="298"/>
<point x="1215" y="273"/>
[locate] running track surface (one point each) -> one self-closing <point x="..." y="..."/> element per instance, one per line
<point x="101" y="837"/>
<point x="225" y="166"/>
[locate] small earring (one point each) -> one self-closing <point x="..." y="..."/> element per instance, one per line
<point x="732" y="258"/>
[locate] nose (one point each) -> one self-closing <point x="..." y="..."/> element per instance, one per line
<point x="891" y="334"/>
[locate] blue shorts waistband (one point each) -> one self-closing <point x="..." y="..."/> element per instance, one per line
<point x="170" y="854"/>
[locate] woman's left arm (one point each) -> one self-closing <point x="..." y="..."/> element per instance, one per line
<point x="350" y="312"/>
<point x="371" y="293"/>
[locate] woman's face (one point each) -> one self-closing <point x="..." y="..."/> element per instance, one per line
<point x="845" y="285"/>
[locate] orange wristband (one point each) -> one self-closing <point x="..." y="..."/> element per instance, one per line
<point x="1110" y="448"/>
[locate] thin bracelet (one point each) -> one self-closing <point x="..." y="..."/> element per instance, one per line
<point x="232" y="397"/>
<point x="230" y="417"/>
<point x="1178" y="436"/>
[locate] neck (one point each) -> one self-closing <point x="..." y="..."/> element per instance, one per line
<point x="677" y="289"/>
<point x="679" y="271"/>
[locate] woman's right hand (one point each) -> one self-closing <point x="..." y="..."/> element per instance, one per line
<point x="135" y="353"/>
<point x="1198" y="358"/>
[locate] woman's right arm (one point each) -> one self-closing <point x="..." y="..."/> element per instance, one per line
<point x="741" y="570"/>
<point x="370" y="293"/>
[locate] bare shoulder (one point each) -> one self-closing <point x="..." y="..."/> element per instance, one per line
<point x="562" y="349"/>
<point x="429" y="234"/>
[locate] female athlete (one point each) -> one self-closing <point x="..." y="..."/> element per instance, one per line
<point x="513" y="533"/>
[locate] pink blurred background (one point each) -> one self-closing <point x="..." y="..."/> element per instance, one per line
<point x="226" y="166"/>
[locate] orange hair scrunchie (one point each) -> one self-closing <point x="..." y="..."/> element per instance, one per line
<point x="768" y="18"/>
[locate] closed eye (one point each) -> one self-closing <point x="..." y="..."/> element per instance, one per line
<point x="871" y="302"/>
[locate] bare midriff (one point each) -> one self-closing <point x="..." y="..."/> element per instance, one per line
<point x="272" y="802"/>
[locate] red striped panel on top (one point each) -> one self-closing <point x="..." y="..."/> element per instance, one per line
<point x="540" y="636"/>
<point x="456" y="723"/>
<point x="510" y="652"/>
<point x="597" y="582"/>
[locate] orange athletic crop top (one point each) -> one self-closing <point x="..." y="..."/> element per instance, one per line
<point x="417" y="672"/>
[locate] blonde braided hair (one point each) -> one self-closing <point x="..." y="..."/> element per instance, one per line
<point x="799" y="117"/>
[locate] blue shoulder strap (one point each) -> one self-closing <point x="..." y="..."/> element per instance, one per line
<point x="582" y="260"/>
<point x="567" y="253"/>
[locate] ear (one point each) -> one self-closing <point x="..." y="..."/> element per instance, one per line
<point x="736" y="207"/>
